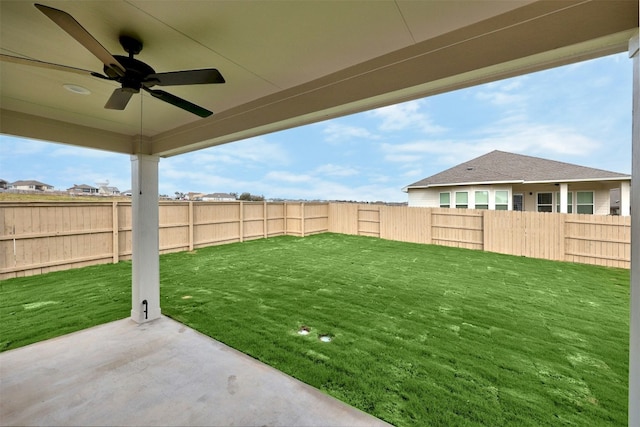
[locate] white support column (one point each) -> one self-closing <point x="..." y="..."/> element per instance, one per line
<point x="145" y="286"/>
<point x="634" y="329"/>
<point x="625" y="199"/>
<point x="564" y="191"/>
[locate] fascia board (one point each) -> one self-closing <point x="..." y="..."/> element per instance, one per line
<point x="460" y="184"/>
<point x="559" y="181"/>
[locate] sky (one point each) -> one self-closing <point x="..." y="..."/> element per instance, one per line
<point x="580" y="113"/>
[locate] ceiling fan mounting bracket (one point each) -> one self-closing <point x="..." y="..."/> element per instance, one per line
<point x="130" y="45"/>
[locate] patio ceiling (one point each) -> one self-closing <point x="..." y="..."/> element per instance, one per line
<point x="286" y="63"/>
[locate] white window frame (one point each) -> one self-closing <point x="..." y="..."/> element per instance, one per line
<point x="461" y="205"/>
<point x="538" y="205"/>
<point x="440" y="199"/>
<point x="496" y="204"/>
<point x="484" y="205"/>
<point x="592" y="204"/>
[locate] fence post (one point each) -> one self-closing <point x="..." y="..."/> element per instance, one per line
<point x="286" y="216"/>
<point x="562" y="230"/>
<point x="431" y="225"/>
<point x="241" y="206"/>
<point x="264" y="217"/>
<point x="483" y="226"/>
<point x="190" y="226"/>
<point x="115" y="241"/>
<point x="302" y="218"/>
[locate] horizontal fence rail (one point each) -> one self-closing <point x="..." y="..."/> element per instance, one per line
<point x="37" y="238"/>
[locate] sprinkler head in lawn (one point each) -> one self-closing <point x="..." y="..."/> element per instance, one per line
<point x="304" y="330"/>
<point x="325" y="338"/>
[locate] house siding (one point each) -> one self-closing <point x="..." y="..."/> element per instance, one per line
<point x="430" y="197"/>
<point x="427" y="198"/>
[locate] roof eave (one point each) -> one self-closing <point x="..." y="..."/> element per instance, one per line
<point x="557" y="181"/>
<point x="548" y="181"/>
<point x="458" y="184"/>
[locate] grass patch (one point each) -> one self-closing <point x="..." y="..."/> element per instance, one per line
<point x="40" y="307"/>
<point x="418" y="334"/>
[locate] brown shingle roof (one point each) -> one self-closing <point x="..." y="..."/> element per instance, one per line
<point x="30" y="182"/>
<point x="500" y="166"/>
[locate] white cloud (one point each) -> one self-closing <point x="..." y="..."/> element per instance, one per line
<point x="330" y="190"/>
<point x="405" y="116"/>
<point x="284" y="176"/>
<point x="413" y="173"/>
<point x="21" y="146"/>
<point x="503" y="93"/>
<point x="87" y="153"/>
<point x="247" y="152"/>
<point x="340" y="132"/>
<point x="335" y="170"/>
<point x="543" y="140"/>
<point x="401" y="158"/>
<point x="500" y="98"/>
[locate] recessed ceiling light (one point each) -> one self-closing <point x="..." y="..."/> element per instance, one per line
<point x="77" y="89"/>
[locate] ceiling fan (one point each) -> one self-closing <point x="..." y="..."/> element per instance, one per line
<point x="131" y="73"/>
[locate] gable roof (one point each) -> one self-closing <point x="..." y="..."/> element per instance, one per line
<point x="30" y="182"/>
<point x="502" y="167"/>
<point x="82" y="186"/>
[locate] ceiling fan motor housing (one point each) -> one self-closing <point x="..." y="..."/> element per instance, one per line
<point x="136" y="72"/>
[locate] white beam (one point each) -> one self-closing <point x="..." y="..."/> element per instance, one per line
<point x="37" y="127"/>
<point x="625" y="198"/>
<point x="634" y="326"/>
<point x="145" y="286"/>
<point x="564" y="191"/>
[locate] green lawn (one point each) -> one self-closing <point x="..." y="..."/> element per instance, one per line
<point x="421" y="335"/>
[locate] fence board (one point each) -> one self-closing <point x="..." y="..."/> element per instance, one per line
<point x="369" y="220"/>
<point x="41" y="237"/>
<point x="405" y="224"/>
<point x="343" y="218"/>
<point x="461" y="228"/>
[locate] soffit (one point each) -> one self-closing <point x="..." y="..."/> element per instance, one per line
<point x="286" y="63"/>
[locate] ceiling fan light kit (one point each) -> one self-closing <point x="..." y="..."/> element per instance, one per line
<point x="79" y="90"/>
<point x="132" y="74"/>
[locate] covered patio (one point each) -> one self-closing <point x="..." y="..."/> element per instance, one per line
<point x="156" y="373"/>
<point x="286" y="64"/>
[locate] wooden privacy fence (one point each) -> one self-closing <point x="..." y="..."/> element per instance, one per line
<point x="38" y="238"/>
<point x="42" y="237"/>
<point x="587" y="239"/>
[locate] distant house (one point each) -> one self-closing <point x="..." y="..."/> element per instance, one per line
<point x="194" y="196"/>
<point x="30" y="185"/>
<point x="507" y="181"/>
<point x="82" y="189"/>
<point x="106" y="190"/>
<point x="218" y="197"/>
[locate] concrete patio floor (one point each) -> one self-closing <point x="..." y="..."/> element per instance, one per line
<point x="157" y="373"/>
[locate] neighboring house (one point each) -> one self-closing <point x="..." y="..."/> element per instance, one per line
<point x="507" y="181"/>
<point x="105" y="190"/>
<point x="82" y="189"/>
<point x="194" y="196"/>
<point x="3" y="184"/>
<point x="30" y="185"/>
<point x="218" y="197"/>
